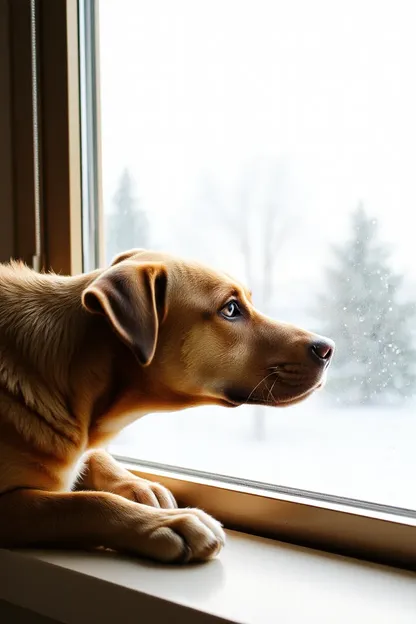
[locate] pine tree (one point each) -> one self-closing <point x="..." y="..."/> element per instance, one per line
<point x="363" y="312"/>
<point x="127" y="224"/>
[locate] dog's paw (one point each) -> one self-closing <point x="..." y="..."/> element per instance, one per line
<point x="184" y="535"/>
<point x="147" y="493"/>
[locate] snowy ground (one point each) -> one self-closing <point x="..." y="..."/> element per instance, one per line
<point x="366" y="453"/>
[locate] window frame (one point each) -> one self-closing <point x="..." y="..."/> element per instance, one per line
<point x="372" y="533"/>
<point x="6" y="194"/>
<point x="60" y="138"/>
<point x="58" y="102"/>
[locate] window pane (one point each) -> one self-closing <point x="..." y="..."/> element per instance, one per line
<point x="276" y="140"/>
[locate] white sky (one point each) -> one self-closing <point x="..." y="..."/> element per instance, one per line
<point x="196" y="88"/>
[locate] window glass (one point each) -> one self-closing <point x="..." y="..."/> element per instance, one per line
<point x="276" y="140"/>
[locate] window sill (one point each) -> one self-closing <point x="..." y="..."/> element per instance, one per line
<point x="255" y="580"/>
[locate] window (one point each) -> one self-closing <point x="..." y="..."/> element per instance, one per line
<point x="277" y="140"/>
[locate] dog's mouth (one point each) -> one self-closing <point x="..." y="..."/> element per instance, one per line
<point x="280" y="388"/>
<point x="234" y="397"/>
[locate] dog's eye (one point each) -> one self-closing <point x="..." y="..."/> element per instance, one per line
<point x="231" y="310"/>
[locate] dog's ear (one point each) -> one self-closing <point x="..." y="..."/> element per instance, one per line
<point x="125" y="255"/>
<point x="132" y="296"/>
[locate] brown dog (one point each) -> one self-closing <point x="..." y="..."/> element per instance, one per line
<point x="81" y="357"/>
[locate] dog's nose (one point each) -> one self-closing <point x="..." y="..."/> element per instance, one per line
<point x="321" y="350"/>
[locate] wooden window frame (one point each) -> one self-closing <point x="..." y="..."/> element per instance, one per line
<point x="59" y="111"/>
<point x="372" y="532"/>
<point x="7" y="244"/>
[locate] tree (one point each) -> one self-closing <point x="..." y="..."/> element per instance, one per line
<point x="363" y="312"/>
<point x="250" y="220"/>
<point x="261" y="226"/>
<point x="254" y="223"/>
<point x="127" y="224"/>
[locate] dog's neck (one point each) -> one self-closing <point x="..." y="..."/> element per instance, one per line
<point x="41" y="319"/>
<point x="42" y="329"/>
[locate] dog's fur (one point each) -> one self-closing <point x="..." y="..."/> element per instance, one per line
<point x="81" y="357"/>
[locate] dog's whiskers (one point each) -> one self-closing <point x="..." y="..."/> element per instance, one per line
<point x="272" y="399"/>
<point x="255" y="387"/>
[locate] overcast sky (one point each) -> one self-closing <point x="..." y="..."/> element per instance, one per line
<point x="195" y="90"/>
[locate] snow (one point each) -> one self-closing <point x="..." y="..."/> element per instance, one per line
<point x="365" y="453"/>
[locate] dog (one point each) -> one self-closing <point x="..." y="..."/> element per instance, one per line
<point x="83" y="356"/>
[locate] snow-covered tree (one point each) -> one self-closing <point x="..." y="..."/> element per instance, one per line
<point x="127" y="224"/>
<point x="363" y="311"/>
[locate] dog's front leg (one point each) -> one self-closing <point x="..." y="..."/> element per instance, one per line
<point x="102" y="473"/>
<point x="91" y="519"/>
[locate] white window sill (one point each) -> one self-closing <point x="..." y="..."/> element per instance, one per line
<point x="255" y="580"/>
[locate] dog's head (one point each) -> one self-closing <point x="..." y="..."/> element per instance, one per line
<point x="198" y="337"/>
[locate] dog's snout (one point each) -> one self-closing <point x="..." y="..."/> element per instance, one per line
<point x="321" y="350"/>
